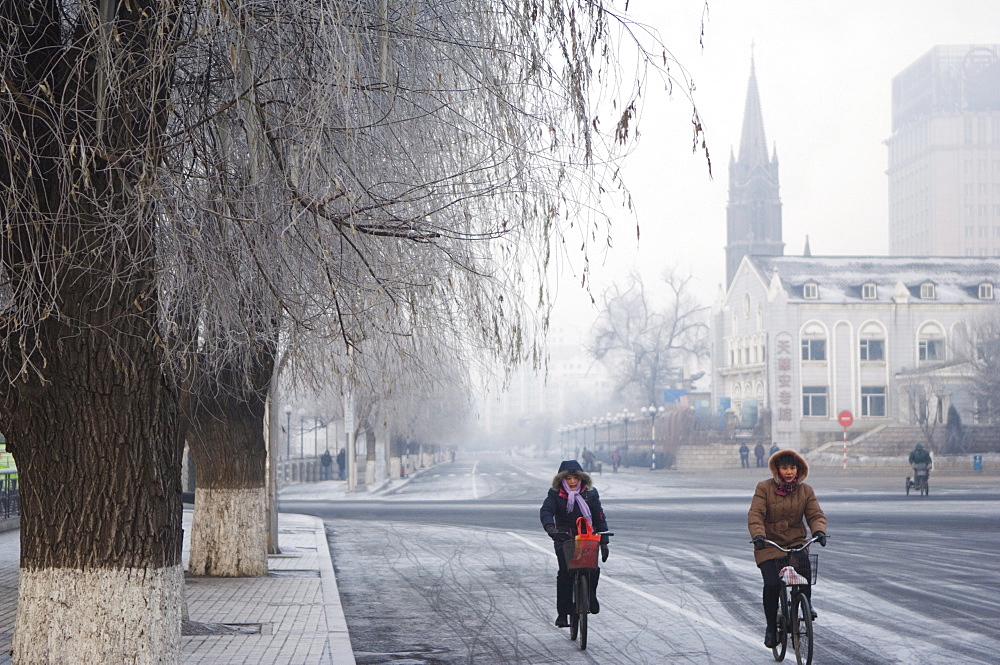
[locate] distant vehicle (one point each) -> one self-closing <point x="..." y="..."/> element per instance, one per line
<point x="921" y="472"/>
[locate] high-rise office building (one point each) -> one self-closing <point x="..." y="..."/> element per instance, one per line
<point x="753" y="214"/>
<point x="944" y="154"/>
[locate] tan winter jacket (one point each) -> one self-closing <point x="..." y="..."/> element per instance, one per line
<point x="780" y="518"/>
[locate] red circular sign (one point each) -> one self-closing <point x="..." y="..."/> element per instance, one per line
<point x="845" y="418"/>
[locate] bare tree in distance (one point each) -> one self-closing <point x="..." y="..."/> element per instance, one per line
<point x="349" y="165"/>
<point x="393" y="163"/>
<point x="982" y="351"/>
<point x="645" y="345"/>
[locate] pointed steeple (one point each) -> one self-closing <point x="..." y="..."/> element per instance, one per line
<point x="806" y="251"/>
<point x="753" y="144"/>
<point x="753" y="214"/>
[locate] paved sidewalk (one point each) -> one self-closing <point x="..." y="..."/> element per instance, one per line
<point x="291" y="616"/>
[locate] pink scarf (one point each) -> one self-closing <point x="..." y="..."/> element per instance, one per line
<point x="573" y="497"/>
<point x="784" y="489"/>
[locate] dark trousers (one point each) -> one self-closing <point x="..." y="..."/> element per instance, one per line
<point x="769" y="571"/>
<point x="745" y="461"/>
<point x="564" y="584"/>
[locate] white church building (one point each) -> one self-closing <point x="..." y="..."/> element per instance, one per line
<point x="805" y="338"/>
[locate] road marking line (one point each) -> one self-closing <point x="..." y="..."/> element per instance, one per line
<point x="690" y="614"/>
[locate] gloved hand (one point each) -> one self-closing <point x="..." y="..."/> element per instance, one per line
<point x="758" y="543"/>
<point x="555" y="534"/>
<point x="820" y="538"/>
<point x="604" y="552"/>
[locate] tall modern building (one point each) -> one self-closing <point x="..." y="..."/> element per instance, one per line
<point x="944" y="154"/>
<point x="753" y="214"/>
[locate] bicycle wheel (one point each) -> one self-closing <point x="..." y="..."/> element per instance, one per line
<point x="574" y="617"/>
<point x="781" y="626"/>
<point x="925" y="489"/>
<point x="582" y="606"/>
<point x="908" y="485"/>
<point x="802" y="630"/>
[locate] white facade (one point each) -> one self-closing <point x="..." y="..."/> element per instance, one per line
<point x="809" y="337"/>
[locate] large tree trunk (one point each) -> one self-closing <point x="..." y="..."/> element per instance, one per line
<point x="86" y="406"/>
<point x="100" y="578"/>
<point x="226" y="438"/>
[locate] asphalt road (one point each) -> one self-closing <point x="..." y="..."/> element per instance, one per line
<point x="906" y="580"/>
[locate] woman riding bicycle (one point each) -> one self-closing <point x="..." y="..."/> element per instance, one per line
<point x="572" y="495"/>
<point x="777" y="511"/>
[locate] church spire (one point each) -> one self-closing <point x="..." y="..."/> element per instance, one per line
<point x="753" y="214"/>
<point x="753" y="145"/>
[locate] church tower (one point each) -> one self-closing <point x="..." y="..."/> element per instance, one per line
<point x="753" y="214"/>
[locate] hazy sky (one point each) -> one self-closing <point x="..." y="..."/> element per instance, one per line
<point x="824" y="72"/>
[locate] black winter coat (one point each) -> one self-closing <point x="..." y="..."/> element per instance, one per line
<point x="553" y="511"/>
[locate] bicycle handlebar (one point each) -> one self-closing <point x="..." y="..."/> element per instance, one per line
<point x="596" y="533"/>
<point x="793" y="549"/>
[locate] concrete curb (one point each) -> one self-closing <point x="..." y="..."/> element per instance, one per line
<point x="341" y="652"/>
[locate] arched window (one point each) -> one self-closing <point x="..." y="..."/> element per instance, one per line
<point x="871" y="343"/>
<point x="813" y="342"/>
<point x="930" y="343"/>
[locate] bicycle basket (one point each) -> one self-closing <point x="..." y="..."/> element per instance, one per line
<point x="798" y="562"/>
<point x="581" y="552"/>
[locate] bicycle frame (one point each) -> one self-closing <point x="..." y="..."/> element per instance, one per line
<point x="794" y="610"/>
<point x="581" y="599"/>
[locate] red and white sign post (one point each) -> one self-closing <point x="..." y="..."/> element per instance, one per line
<point x="845" y="418"/>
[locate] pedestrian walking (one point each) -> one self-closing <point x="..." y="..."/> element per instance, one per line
<point x="744" y="456"/>
<point x="341" y="462"/>
<point x="616" y="460"/>
<point x="325" y="461"/>
<point x="758" y="452"/>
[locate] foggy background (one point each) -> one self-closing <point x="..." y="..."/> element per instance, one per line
<point x="824" y="72"/>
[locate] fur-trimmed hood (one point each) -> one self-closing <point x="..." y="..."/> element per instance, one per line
<point x="800" y="461"/>
<point x="586" y="482"/>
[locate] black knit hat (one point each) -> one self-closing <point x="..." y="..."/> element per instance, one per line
<point x="569" y="465"/>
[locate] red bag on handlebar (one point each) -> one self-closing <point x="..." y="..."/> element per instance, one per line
<point x="581" y="551"/>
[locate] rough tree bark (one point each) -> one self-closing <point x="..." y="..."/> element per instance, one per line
<point x="91" y="418"/>
<point x="100" y="473"/>
<point x="226" y="439"/>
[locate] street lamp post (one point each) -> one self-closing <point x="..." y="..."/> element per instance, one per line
<point x="625" y="418"/>
<point x="302" y="433"/>
<point x="609" y="419"/>
<point x="288" y="432"/>
<point x="652" y="412"/>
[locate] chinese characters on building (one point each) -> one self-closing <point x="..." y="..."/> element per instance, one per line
<point x="783" y="378"/>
